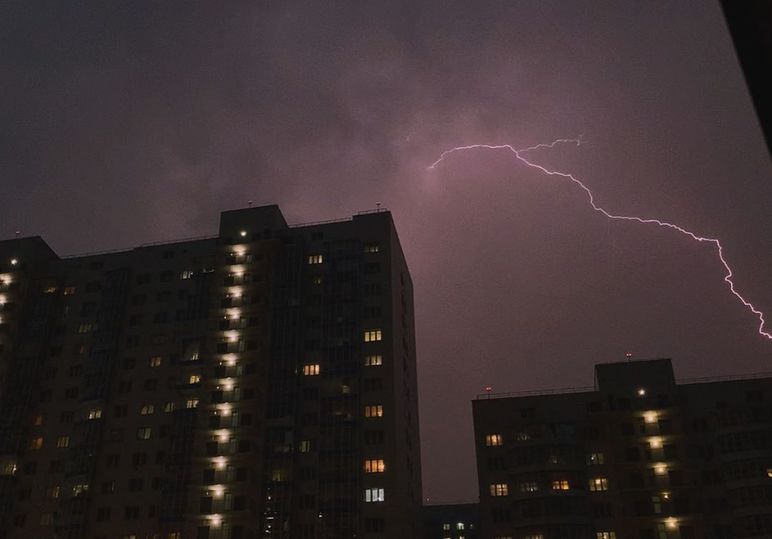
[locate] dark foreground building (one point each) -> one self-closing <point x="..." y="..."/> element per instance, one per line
<point x="452" y="521"/>
<point x="636" y="457"/>
<point x="256" y="384"/>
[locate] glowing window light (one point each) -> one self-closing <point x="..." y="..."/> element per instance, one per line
<point x="14" y="261"/>
<point x="230" y="360"/>
<point x="218" y="491"/>
<point x="243" y="233"/>
<point x="650" y="417"/>
<point x="671" y="523"/>
<point x="641" y="392"/>
<point x="660" y="469"/>
<point x="219" y="463"/>
<point x="223" y="436"/>
<point x="655" y="443"/>
<point x="215" y="520"/>
<point x="227" y="384"/>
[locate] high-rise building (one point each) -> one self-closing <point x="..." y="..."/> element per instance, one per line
<point x="256" y="384"/>
<point x="637" y="456"/>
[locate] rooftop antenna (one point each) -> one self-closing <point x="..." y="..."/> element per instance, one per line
<point x="249" y="203"/>
<point x="18" y="233"/>
<point x="629" y="356"/>
<point x="378" y="205"/>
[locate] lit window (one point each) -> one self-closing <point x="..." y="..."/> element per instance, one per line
<point x="459" y="525"/>
<point x="169" y="407"/>
<point x="187" y="274"/>
<point x="155" y="361"/>
<point x="641" y="392"/>
<point x="606" y="535"/>
<point x="315" y="259"/>
<point x="660" y="469"/>
<point x="375" y="466"/>
<point x="374" y="495"/>
<point x="446" y="526"/>
<point x="86" y="328"/>
<point x="191" y="403"/>
<point x="650" y="417"/>
<point x="671" y="523"/>
<point x="53" y="492"/>
<point x="305" y="446"/>
<point x="522" y="436"/>
<point x="532" y="536"/>
<point x="598" y="484"/>
<point x="147" y="409"/>
<point x="69" y="291"/>
<point x="493" y="440"/>
<point x="63" y="441"/>
<point x="374" y="410"/>
<point x="594" y="459"/>
<point x="143" y="433"/>
<point x="372" y="247"/>
<point x="8" y="468"/>
<point x="95" y="413"/>
<point x="311" y="369"/>
<point x="499" y="489"/>
<point x="373" y="361"/>
<point x="36" y="443"/>
<point x="79" y="489"/>
<point x="529" y="486"/>
<point x="373" y="335"/>
<point x="560" y="484"/>
<point x="194" y="379"/>
<point x="38" y="420"/>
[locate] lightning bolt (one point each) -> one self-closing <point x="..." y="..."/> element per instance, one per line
<point x="518" y="154"/>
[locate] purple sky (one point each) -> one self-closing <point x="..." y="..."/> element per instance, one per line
<point x="121" y="125"/>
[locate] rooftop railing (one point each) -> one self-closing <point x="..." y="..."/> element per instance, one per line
<point x="589" y="389"/>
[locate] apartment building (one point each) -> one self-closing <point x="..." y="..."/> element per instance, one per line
<point x="636" y="456"/>
<point x="256" y="383"/>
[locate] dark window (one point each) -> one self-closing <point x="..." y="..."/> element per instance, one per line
<point x="375" y="525"/>
<point x="205" y="505"/>
<point x="209" y="476"/>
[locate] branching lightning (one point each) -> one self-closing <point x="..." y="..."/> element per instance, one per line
<point x="728" y="277"/>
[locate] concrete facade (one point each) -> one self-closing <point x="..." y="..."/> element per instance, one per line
<point x="637" y="456"/>
<point x="258" y="383"/>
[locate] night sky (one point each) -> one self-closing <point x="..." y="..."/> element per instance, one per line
<point x="123" y="123"/>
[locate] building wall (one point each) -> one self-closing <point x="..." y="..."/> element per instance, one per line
<point x="639" y="456"/>
<point x="212" y="388"/>
<point x="452" y="521"/>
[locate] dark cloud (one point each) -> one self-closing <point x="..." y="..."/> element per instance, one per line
<point x="127" y="122"/>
